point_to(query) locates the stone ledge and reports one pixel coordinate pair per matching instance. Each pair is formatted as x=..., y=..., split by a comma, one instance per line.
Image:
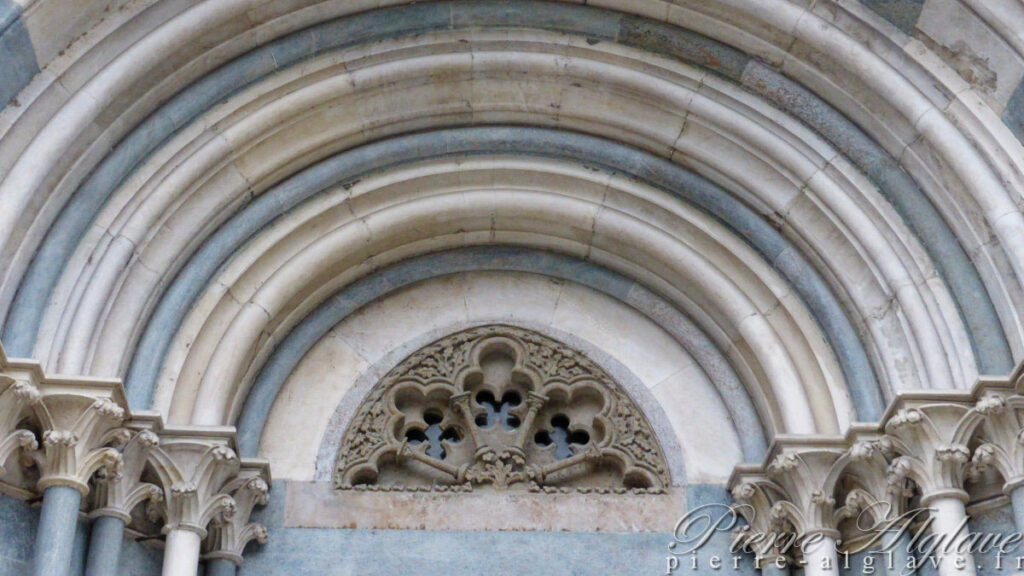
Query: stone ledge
x=320, y=505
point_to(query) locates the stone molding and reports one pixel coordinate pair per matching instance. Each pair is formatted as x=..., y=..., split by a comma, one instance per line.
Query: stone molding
x=194, y=469
x=80, y=433
x=117, y=492
x=318, y=505
x=76, y=426
x=229, y=533
x=928, y=445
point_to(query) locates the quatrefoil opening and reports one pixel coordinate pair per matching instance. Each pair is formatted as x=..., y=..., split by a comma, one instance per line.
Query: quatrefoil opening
x=503, y=408
x=561, y=438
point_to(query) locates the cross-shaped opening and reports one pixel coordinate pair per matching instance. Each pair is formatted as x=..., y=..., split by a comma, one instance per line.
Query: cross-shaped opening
x=498, y=410
x=563, y=438
x=433, y=435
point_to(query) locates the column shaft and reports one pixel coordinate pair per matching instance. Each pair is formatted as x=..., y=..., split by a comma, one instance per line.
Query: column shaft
x=105, y=546
x=55, y=538
x=949, y=516
x=220, y=567
x=821, y=558
x=771, y=569
x=1017, y=504
x=181, y=555
x=81, y=548
x=897, y=547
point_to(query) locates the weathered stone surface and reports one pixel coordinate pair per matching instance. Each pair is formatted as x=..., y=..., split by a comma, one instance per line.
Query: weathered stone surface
x=760, y=218
x=319, y=505
x=500, y=407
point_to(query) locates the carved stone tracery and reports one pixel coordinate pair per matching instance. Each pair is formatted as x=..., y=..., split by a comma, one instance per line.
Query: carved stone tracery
x=504, y=408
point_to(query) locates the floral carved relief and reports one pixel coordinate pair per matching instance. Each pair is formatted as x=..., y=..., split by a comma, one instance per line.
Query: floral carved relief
x=500, y=407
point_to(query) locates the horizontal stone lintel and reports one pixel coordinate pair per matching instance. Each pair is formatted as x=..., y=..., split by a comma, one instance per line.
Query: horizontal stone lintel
x=320, y=505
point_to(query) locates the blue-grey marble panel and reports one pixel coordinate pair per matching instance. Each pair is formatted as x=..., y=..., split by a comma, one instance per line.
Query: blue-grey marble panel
x=17, y=56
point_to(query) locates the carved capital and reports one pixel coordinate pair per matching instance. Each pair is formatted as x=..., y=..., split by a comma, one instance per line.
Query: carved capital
x=18, y=440
x=990, y=405
x=26, y=392
x=784, y=463
x=759, y=501
x=930, y=438
x=1002, y=447
x=906, y=418
x=856, y=502
x=17, y=399
x=898, y=472
x=745, y=492
x=230, y=533
x=194, y=472
x=863, y=451
x=799, y=486
x=953, y=454
x=117, y=492
x=80, y=436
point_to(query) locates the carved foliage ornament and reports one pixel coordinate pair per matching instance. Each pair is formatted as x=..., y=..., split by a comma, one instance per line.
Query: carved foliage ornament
x=499, y=407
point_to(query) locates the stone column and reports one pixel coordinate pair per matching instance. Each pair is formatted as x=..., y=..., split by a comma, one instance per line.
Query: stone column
x=105, y=546
x=83, y=533
x=1016, y=493
x=950, y=516
x=91, y=459
x=898, y=544
x=820, y=558
x=55, y=538
x=80, y=425
x=181, y=554
x=220, y=567
x=795, y=494
x=197, y=470
x=1001, y=448
x=114, y=497
x=229, y=534
x=770, y=568
x=928, y=437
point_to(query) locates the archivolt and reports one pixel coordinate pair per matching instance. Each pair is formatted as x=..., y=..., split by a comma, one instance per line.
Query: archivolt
x=873, y=267
x=350, y=231
x=752, y=429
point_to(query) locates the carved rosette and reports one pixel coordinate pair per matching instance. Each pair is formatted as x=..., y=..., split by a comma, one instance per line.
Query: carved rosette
x=501, y=407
